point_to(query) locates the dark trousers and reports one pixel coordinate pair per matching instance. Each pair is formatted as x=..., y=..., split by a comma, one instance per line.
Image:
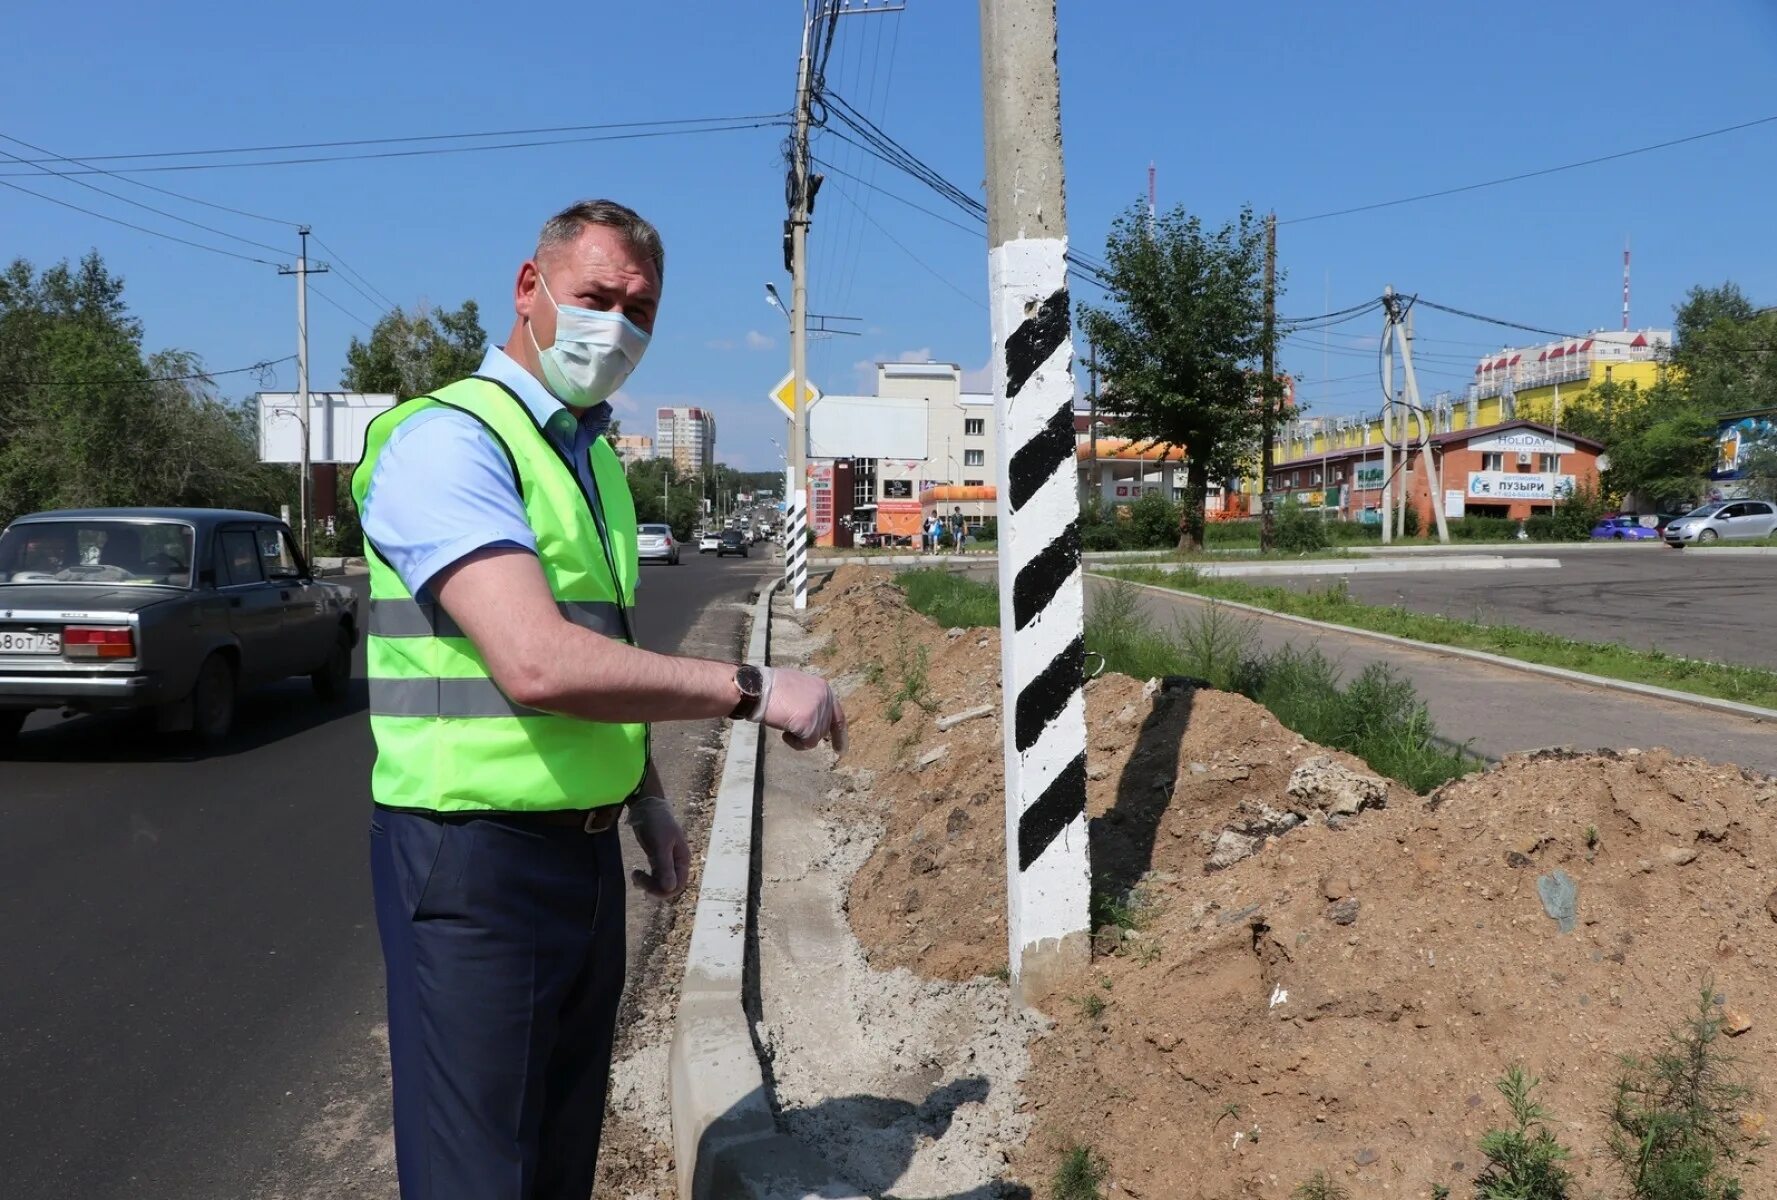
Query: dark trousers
x=503, y=942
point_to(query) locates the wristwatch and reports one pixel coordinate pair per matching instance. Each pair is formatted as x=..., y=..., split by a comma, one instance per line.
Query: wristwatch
x=750, y=681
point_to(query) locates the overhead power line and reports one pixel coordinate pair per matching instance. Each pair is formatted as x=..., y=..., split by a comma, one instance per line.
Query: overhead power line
x=724, y=127
x=159, y=212
x=1457, y=312
x=1571, y=166
x=138, y=228
x=325, y=298
x=239, y=212
x=922, y=263
x=265, y=365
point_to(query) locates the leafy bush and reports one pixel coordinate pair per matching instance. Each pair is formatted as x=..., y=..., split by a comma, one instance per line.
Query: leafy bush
x=1523, y=1160
x=1100, y=536
x=1483, y=529
x=1300, y=531
x=1153, y=523
x=988, y=530
x=1411, y=524
x=1674, y=1117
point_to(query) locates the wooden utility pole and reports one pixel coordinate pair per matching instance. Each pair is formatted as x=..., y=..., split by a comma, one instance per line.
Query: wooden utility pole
x=1267, y=522
x=1042, y=600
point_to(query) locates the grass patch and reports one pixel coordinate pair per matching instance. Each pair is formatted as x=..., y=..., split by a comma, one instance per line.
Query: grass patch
x=1377, y=716
x=1333, y=604
x=949, y=599
x=1320, y=1186
x=1079, y=1176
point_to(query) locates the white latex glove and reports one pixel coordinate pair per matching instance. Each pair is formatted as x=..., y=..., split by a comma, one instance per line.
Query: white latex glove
x=669, y=855
x=803, y=706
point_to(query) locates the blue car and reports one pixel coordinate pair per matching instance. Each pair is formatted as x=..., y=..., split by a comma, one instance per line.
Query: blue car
x=1624, y=529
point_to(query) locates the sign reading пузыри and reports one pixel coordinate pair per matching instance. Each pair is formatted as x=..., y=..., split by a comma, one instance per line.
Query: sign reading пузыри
x=1517, y=485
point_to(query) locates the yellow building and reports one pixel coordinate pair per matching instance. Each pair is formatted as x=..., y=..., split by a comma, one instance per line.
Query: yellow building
x=1522, y=383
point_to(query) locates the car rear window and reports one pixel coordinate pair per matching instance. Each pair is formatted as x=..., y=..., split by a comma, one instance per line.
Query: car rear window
x=96, y=551
x=655, y=530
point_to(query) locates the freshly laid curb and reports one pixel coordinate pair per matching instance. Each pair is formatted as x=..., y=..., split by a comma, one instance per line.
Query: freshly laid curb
x=725, y=1133
x=1362, y=566
x=966, y=559
x=1713, y=703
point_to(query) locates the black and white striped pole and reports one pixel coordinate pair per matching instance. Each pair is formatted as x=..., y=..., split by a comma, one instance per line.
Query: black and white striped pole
x=1042, y=609
x=796, y=549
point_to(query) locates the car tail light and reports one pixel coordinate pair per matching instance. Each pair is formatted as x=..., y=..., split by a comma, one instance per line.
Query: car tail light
x=99, y=641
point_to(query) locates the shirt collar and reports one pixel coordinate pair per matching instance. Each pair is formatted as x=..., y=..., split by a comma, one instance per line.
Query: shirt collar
x=544, y=408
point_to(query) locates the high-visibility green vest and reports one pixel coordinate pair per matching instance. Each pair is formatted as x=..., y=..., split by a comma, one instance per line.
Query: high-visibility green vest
x=447, y=738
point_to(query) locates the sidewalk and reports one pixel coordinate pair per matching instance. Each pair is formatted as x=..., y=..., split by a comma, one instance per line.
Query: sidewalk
x=1501, y=711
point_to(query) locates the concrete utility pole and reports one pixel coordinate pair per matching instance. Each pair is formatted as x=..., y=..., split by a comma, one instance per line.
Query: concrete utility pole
x=1267, y=523
x=1433, y=480
x=1042, y=600
x=1388, y=415
x=302, y=272
x=796, y=548
x=1092, y=414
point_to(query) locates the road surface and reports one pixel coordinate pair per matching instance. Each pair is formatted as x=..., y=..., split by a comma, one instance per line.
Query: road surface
x=193, y=996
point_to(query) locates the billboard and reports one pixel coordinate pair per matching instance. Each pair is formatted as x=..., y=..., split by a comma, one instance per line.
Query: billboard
x=337, y=421
x=1737, y=437
x=1518, y=485
x=879, y=427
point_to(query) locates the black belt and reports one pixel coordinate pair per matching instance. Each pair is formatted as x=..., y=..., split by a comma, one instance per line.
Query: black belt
x=588, y=820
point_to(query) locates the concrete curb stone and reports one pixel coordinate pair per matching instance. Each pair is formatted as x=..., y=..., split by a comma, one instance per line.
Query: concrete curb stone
x=725, y=1133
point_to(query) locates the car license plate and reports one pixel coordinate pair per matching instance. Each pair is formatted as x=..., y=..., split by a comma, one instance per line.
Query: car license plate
x=29, y=641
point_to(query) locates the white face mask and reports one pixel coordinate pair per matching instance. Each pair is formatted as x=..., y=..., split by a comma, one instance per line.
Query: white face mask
x=593, y=354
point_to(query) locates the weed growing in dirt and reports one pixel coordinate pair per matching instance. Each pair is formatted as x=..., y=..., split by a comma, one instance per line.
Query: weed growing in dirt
x=1673, y=1128
x=1592, y=837
x=1523, y=1160
x=1003, y=973
x=1091, y=1006
x=913, y=687
x=1126, y=910
x=1320, y=1186
x=1079, y=1175
x=1439, y=1192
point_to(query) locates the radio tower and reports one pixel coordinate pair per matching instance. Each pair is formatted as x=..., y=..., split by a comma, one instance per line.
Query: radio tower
x=1151, y=209
x=1625, y=285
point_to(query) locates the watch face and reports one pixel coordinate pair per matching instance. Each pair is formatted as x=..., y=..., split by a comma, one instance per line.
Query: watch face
x=750, y=681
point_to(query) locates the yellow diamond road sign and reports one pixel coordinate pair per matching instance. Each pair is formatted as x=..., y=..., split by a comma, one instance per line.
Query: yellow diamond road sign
x=783, y=394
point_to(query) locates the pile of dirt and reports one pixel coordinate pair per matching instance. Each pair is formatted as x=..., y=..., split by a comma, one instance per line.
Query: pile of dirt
x=1169, y=776
x=1343, y=996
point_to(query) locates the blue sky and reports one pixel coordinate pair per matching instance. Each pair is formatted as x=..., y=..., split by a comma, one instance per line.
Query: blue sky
x=1298, y=107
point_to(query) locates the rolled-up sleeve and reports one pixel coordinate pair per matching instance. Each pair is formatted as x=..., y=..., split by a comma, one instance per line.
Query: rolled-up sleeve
x=441, y=490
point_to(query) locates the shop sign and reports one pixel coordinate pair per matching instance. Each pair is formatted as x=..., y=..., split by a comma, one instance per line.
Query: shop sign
x=1520, y=441
x=1518, y=485
x=1369, y=477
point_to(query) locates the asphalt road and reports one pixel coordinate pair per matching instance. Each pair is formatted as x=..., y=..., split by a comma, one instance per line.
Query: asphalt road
x=192, y=1003
x=1696, y=603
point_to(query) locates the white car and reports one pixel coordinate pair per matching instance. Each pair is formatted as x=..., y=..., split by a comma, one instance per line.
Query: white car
x=1729, y=519
x=708, y=540
x=655, y=543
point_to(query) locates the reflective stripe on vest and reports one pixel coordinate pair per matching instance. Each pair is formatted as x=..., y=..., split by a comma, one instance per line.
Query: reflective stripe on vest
x=444, y=698
x=420, y=618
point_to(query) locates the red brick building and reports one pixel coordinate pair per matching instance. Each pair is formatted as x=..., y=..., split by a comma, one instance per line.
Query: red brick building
x=1512, y=469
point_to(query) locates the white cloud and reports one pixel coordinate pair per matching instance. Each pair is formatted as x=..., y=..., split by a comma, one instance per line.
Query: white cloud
x=758, y=341
x=978, y=379
x=715, y=344
x=921, y=355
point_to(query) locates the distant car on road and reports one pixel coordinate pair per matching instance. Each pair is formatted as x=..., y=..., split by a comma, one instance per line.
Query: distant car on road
x=655, y=543
x=1728, y=519
x=708, y=540
x=1624, y=529
x=734, y=542
x=172, y=610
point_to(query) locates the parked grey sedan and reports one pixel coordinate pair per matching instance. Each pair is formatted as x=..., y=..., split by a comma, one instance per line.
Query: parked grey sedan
x=1728, y=519
x=171, y=610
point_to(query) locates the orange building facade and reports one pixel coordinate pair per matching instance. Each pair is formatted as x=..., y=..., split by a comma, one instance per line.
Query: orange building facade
x=1513, y=469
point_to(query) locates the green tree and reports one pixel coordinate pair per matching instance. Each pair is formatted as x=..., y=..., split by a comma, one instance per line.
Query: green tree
x=1180, y=341
x=88, y=418
x=410, y=354
x=677, y=501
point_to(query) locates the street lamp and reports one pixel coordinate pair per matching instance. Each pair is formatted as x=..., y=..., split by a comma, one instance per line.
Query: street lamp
x=776, y=301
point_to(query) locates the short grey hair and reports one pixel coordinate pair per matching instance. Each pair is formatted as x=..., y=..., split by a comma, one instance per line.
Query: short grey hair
x=566, y=226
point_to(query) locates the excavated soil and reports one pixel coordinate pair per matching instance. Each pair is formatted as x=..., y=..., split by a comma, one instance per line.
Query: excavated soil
x=1343, y=997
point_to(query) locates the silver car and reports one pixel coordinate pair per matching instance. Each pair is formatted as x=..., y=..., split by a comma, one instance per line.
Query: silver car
x=655, y=543
x=1741, y=519
x=173, y=611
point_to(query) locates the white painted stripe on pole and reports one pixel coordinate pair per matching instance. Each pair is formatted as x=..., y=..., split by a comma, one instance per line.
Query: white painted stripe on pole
x=1041, y=597
x=799, y=580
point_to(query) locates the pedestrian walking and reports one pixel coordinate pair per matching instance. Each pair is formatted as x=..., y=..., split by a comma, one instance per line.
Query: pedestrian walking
x=511, y=708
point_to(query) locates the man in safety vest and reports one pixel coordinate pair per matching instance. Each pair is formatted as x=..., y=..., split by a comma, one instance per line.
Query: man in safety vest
x=510, y=706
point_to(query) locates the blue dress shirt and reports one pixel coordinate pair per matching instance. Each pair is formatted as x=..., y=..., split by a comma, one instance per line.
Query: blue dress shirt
x=443, y=489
